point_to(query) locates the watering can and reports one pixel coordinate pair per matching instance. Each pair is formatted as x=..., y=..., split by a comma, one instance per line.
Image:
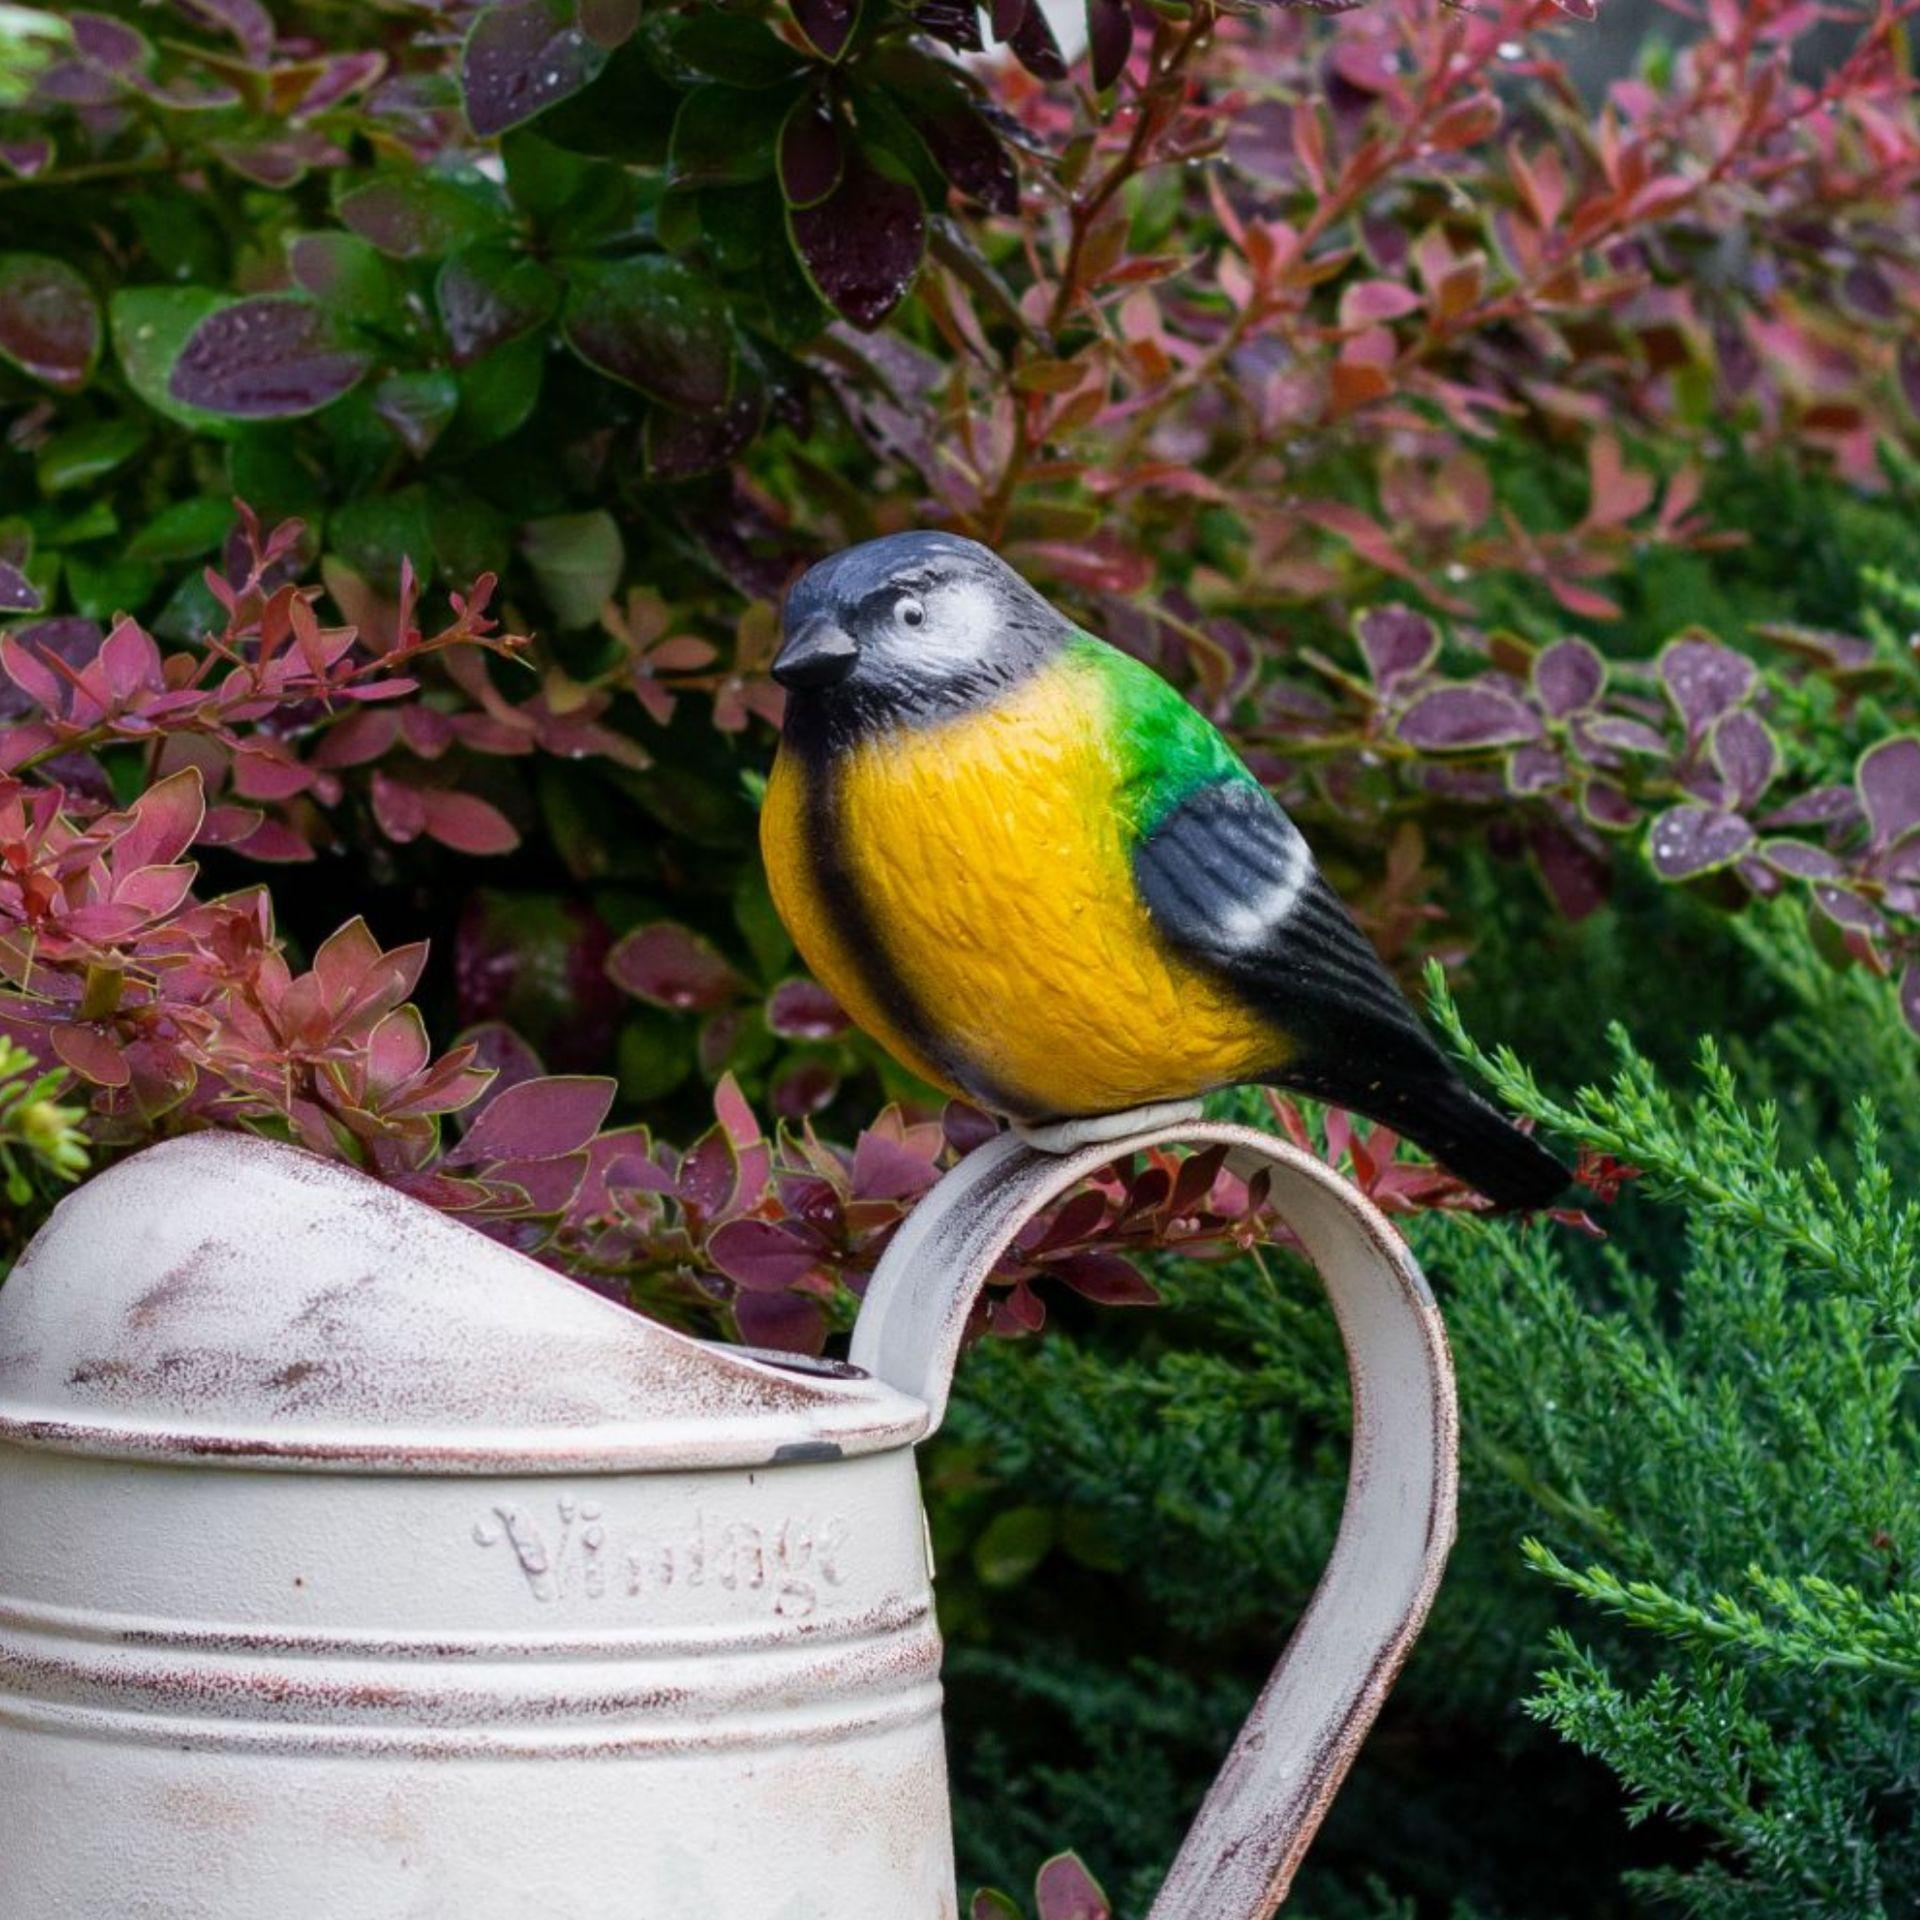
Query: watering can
x=356, y=1567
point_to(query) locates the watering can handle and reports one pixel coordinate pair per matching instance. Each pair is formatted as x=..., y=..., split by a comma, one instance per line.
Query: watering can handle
x=1395, y=1530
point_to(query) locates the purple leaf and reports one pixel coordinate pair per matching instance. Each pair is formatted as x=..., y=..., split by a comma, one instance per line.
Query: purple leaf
x=1608, y=806
x=710, y=1173
x=49, y=320
x=1847, y=909
x=1106, y=1278
x=680, y=445
x=800, y=1010
x=1818, y=807
x=109, y=44
x=1577, y=876
x=18, y=594
x=654, y=324
x=1744, y=752
x=1463, y=718
x=1889, y=781
x=964, y=145
x=522, y=57
x=672, y=966
x=828, y=24
x=487, y=297
x=505, y=1053
x=1803, y=862
x=1704, y=680
x=781, y=1322
x=267, y=358
x=957, y=22
x=26, y=155
x=761, y=1256
x=862, y=245
x=539, y=1120
x=813, y=151
x=885, y=1169
x=1535, y=769
x=1688, y=841
x=1569, y=677
x=1109, y=40
x=250, y=24
x=803, y=1089
x=1616, y=730
x=1395, y=642
x=1035, y=47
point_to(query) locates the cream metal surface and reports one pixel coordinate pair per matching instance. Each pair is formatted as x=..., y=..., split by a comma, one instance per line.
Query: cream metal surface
x=354, y=1567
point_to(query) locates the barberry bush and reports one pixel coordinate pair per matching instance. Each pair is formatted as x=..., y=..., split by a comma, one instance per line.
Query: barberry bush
x=413, y=414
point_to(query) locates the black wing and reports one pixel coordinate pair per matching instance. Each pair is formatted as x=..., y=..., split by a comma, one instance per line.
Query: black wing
x=1229, y=882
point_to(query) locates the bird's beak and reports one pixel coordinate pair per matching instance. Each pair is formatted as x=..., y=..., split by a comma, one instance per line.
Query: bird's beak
x=820, y=652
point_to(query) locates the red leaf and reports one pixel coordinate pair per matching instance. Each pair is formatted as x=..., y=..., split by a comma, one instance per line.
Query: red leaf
x=466, y=823
x=1067, y=1891
x=539, y=1119
x=885, y=1169
x=782, y=1322
x=1105, y=1277
x=672, y=966
x=93, y=1052
x=800, y=1010
x=760, y=1255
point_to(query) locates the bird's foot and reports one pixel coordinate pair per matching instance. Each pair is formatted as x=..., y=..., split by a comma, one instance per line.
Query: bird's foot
x=1096, y=1129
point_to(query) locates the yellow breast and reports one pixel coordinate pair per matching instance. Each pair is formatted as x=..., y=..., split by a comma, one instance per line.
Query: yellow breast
x=990, y=856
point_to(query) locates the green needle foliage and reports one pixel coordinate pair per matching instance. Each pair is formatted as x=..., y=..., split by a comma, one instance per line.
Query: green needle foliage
x=1691, y=1509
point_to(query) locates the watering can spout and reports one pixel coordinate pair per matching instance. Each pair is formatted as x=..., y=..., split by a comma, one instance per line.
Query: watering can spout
x=1395, y=1531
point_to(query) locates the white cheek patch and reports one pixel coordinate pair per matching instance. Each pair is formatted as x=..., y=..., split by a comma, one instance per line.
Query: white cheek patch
x=1251, y=923
x=963, y=622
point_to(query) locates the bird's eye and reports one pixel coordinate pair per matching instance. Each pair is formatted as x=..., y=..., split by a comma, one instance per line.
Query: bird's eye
x=912, y=613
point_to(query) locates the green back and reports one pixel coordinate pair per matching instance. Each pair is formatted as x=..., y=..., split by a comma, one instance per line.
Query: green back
x=1165, y=747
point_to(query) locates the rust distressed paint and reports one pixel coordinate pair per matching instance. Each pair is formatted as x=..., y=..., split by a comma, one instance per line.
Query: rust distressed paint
x=353, y=1564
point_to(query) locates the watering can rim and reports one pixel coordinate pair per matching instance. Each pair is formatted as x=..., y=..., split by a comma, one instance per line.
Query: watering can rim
x=229, y=1301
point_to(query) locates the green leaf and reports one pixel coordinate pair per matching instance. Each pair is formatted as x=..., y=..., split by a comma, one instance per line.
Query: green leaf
x=729, y=47
x=1014, y=1543
x=184, y=531
x=653, y=324
x=101, y=588
x=759, y=921
x=82, y=455
x=728, y=135
x=497, y=393
x=372, y=534
x=576, y=201
x=149, y=326
x=414, y=216
x=417, y=407
x=655, y=1054
x=347, y=276
x=577, y=559
x=470, y=536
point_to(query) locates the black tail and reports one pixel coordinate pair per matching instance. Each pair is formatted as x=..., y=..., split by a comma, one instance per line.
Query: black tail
x=1435, y=1109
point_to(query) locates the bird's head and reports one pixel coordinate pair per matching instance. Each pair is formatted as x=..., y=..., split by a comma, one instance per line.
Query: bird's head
x=913, y=622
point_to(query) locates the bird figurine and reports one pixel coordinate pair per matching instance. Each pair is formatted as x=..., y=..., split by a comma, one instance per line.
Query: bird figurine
x=1044, y=882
